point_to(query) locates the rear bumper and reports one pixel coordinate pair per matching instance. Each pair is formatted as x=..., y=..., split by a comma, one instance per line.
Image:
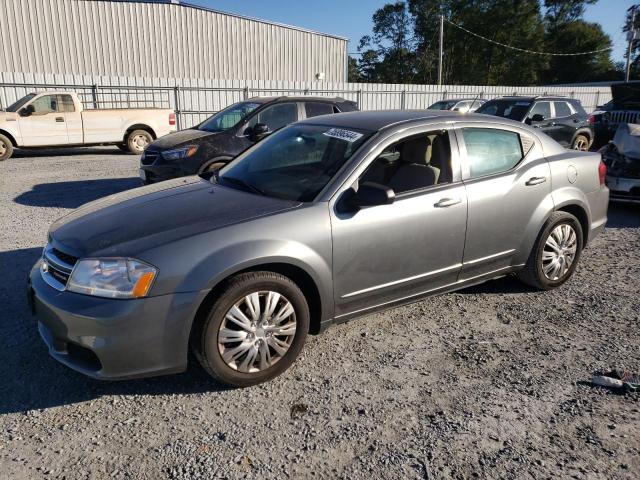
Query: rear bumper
x=114, y=339
x=625, y=190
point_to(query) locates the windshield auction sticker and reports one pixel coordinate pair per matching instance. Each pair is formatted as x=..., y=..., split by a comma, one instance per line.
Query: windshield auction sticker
x=346, y=135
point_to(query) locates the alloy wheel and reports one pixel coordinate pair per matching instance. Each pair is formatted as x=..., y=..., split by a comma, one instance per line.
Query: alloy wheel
x=559, y=252
x=581, y=145
x=257, y=331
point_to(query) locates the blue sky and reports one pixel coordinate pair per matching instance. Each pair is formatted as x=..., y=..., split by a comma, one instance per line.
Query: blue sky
x=352, y=18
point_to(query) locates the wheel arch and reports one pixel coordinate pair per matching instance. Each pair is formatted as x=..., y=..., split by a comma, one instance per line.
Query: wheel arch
x=297, y=274
x=225, y=158
x=583, y=131
x=580, y=212
x=10, y=137
x=138, y=126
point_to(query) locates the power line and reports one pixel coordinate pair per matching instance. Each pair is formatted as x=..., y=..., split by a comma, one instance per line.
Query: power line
x=524, y=50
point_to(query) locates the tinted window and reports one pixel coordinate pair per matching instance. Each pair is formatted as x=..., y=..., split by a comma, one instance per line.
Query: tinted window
x=513, y=109
x=45, y=104
x=295, y=163
x=276, y=116
x=562, y=109
x=541, y=108
x=229, y=117
x=490, y=150
x=442, y=105
x=65, y=103
x=314, y=109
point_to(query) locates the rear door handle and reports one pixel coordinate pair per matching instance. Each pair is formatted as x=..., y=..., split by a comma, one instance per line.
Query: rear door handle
x=59, y=119
x=447, y=202
x=535, y=181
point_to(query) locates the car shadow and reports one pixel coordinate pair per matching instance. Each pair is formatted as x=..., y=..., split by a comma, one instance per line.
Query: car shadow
x=75, y=193
x=621, y=215
x=505, y=285
x=32, y=380
x=66, y=152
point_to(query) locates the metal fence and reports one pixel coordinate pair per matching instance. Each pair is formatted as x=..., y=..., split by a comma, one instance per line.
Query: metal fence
x=194, y=103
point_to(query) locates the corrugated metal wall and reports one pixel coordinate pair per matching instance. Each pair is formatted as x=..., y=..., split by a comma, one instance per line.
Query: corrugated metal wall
x=140, y=39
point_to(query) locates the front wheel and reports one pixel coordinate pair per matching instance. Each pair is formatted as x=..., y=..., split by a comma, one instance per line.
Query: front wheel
x=581, y=142
x=556, y=253
x=6, y=148
x=254, y=331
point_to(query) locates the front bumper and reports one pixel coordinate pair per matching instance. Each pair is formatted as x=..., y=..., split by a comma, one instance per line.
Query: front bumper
x=625, y=190
x=114, y=339
x=157, y=169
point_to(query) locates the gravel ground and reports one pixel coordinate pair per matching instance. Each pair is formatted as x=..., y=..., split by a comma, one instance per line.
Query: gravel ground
x=487, y=382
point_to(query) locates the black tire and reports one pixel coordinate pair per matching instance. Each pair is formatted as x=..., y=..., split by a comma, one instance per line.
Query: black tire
x=214, y=165
x=204, y=338
x=137, y=141
x=581, y=143
x=6, y=148
x=533, y=274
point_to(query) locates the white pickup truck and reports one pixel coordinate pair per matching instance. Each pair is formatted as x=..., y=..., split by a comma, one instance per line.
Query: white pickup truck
x=58, y=119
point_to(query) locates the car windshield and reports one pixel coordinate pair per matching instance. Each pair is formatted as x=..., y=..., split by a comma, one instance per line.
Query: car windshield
x=442, y=105
x=294, y=163
x=513, y=109
x=14, y=107
x=229, y=117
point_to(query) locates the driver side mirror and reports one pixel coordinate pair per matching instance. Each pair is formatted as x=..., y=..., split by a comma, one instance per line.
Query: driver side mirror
x=27, y=111
x=535, y=118
x=369, y=194
x=257, y=132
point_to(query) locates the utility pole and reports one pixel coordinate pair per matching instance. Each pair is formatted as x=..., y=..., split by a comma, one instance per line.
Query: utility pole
x=441, y=49
x=631, y=36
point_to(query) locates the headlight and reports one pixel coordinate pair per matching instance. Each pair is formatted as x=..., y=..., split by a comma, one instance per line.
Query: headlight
x=178, y=153
x=112, y=278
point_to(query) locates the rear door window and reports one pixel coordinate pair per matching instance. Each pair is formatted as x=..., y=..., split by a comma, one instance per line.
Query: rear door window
x=491, y=150
x=315, y=109
x=65, y=103
x=562, y=109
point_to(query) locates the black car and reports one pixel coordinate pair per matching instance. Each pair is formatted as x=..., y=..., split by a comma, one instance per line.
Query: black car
x=216, y=141
x=563, y=119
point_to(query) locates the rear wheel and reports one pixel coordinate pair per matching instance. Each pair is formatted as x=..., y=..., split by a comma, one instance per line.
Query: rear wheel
x=6, y=148
x=556, y=253
x=138, y=140
x=254, y=331
x=581, y=142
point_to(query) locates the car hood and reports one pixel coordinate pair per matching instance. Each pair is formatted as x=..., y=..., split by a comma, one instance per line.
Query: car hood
x=178, y=138
x=136, y=220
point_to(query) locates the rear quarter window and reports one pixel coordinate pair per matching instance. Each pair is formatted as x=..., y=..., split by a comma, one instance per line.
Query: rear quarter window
x=315, y=109
x=491, y=150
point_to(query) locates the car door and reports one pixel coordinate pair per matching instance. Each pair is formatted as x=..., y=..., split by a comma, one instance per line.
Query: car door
x=548, y=123
x=566, y=122
x=45, y=125
x=274, y=116
x=72, y=117
x=508, y=187
x=400, y=251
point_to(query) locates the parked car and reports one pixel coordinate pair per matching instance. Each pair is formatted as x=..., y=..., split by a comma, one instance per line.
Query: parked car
x=624, y=107
x=216, y=141
x=563, y=119
x=464, y=105
x=327, y=219
x=58, y=119
x=622, y=158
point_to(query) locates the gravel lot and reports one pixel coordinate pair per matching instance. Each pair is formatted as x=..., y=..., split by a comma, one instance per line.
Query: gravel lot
x=487, y=382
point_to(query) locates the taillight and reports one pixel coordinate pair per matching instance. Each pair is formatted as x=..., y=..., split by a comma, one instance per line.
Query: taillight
x=591, y=119
x=602, y=172
x=172, y=119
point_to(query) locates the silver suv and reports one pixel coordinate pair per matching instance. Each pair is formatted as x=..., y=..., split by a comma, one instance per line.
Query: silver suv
x=327, y=219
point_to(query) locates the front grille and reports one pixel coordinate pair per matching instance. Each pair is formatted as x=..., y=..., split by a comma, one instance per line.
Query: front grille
x=57, y=267
x=149, y=157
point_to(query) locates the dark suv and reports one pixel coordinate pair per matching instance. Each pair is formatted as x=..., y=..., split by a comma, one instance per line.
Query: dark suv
x=563, y=119
x=220, y=138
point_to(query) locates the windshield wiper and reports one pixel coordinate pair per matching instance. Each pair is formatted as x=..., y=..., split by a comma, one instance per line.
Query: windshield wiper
x=242, y=183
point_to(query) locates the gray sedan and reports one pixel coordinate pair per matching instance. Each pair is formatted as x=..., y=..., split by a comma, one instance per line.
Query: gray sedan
x=324, y=220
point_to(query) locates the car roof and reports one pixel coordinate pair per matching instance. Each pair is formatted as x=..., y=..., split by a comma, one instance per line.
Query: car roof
x=532, y=98
x=461, y=99
x=374, y=120
x=304, y=98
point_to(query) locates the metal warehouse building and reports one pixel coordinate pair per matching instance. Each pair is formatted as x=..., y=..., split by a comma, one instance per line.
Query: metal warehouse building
x=160, y=39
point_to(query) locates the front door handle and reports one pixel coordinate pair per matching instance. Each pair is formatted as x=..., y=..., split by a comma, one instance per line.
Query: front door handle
x=447, y=202
x=535, y=181
x=59, y=119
